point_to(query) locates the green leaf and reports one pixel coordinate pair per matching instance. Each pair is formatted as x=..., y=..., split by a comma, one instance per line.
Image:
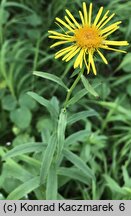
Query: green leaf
x=73, y=173
x=33, y=34
x=23, y=149
x=126, y=63
x=77, y=136
x=51, y=187
x=126, y=177
x=128, y=88
x=2, y=196
x=103, y=90
x=47, y=158
x=121, y=80
x=31, y=161
x=21, y=117
x=22, y=138
x=79, y=163
x=39, y=99
x=24, y=189
x=112, y=184
x=117, y=108
x=61, y=131
x=9, y=102
x=77, y=97
x=5, y=15
x=81, y=116
x=15, y=171
x=55, y=103
x=88, y=87
x=50, y=77
x=27, y=101
x=34, y=20
x=45, y=103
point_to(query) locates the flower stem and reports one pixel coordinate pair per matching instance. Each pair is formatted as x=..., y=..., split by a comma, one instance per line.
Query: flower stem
x=72, y=87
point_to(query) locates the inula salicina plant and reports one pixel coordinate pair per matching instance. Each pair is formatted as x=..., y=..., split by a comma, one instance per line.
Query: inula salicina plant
x=75, y=150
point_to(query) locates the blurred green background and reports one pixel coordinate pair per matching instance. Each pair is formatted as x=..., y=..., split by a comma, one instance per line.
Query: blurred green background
x=98, y=129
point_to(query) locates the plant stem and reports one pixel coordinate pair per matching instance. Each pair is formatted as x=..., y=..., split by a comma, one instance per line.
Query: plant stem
x=36, y=55
x=72, y=87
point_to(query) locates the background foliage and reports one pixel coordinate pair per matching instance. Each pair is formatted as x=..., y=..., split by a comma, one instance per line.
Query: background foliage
x=47, y=153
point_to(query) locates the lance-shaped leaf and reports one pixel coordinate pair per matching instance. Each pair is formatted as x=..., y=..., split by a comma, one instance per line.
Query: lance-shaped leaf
x=50, y=77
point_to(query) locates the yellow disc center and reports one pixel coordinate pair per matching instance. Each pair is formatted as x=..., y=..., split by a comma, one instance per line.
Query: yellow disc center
x=88, y=37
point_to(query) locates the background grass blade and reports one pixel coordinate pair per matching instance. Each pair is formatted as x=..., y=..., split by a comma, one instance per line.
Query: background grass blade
x=18, y=5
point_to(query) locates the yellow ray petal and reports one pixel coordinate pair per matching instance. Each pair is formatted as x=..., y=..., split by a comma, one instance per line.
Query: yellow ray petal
x=82, y=18
x=109, y=48
x=102, y=20
x=110, y=17
x=79, y=59
x=69, y=55
x=64, y=24
x=69, y=22
x=92, y=64
x=98, y=16
x=58, y=43
x=73, y=54
x=86, y=62
x=90, y=14
x=63, y=51
x=59, y=37
x=113, y=26
x=72, y=17
x=102, y=56
x=110, y=32
x=59, y=34
x=85, y=13
x=89, y=61
x=81, y=63
x=116, y=43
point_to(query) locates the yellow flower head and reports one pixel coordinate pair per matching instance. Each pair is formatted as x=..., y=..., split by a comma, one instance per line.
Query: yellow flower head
x=84, y=39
